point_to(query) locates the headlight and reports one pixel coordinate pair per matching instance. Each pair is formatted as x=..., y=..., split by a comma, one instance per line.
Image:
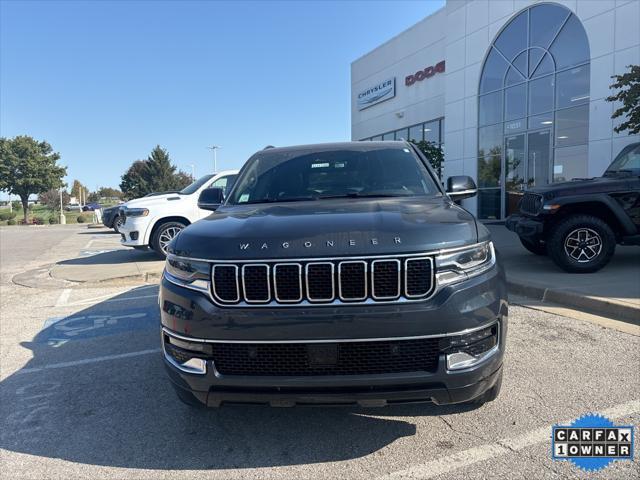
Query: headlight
x=188, y=273
x=465, y=263
x=136, y=212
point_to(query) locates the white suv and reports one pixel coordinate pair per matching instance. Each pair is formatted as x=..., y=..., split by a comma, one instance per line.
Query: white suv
x=154, y=221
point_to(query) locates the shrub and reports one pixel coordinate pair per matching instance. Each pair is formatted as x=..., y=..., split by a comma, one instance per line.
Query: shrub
x=80, y=219
x=53, y=220
x=11, y=221
x=38, y=221
x=8, y=215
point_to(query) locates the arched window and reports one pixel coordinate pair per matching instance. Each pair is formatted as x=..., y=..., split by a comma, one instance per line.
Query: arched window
x=533, y=107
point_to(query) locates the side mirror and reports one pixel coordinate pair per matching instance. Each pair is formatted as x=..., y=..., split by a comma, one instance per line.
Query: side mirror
x=211, y=198
x=461, y=186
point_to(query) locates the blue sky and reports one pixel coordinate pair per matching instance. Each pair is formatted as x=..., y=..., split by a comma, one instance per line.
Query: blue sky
x=104, y=82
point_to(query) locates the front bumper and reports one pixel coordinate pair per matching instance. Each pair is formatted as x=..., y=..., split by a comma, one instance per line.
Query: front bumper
x=471, y=305
x=134, y=231
x=525, y=227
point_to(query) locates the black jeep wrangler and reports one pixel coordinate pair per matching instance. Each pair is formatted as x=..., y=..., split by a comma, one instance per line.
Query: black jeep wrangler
x=579, y=223
x=335, y=274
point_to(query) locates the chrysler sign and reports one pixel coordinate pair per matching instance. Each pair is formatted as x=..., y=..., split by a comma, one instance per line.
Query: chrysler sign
x=425, y=73
x=376, y=94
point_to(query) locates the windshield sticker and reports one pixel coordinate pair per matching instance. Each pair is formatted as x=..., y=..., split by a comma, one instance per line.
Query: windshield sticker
x=319, y=165
x=244, y=198
x=339, y=165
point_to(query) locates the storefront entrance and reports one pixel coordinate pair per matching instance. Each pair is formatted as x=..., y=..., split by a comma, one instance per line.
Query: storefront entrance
x=527, y=164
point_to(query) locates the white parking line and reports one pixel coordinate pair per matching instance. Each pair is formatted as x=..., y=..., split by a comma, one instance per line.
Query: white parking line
x=63, y=298
x=86, y=361
x=488, y=451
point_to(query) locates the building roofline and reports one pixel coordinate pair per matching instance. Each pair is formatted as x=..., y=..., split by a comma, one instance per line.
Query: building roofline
x=397, y=35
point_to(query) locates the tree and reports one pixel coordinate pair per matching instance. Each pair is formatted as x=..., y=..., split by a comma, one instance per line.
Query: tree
x=51, y=198
x=80, y=191
x=161, y=175
x=28, y=167
x=155, y=174
x=108, y=192
x=183, y=179
x=628, y=86
x=434, y=154
x=134, y=182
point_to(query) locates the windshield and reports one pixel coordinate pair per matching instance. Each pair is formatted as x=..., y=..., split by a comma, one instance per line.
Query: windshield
x=627, y=161
x=299, y=175
x=195, y=185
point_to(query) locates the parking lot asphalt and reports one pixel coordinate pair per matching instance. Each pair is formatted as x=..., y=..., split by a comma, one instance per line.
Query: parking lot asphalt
x=83, y=394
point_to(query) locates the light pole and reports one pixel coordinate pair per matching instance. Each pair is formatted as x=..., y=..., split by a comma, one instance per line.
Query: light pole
x=215, y=157
x=62, y=219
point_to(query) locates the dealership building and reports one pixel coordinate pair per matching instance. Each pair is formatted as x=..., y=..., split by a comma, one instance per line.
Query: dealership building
x=514, y=91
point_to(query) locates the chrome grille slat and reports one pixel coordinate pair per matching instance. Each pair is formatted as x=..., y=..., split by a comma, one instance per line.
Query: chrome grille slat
x=255, y=283
x=290, y=285
x=349, y=288
x=335, y=281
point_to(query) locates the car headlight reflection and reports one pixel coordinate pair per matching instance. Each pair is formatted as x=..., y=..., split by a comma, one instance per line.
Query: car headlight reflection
x=465, y=263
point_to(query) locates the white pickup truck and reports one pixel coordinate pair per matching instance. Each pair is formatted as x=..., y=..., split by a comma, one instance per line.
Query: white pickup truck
x=154, y=221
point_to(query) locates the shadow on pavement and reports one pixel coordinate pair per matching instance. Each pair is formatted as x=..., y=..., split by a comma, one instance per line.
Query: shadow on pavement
x=100, y=232
x=112, y=257
x=122, y=411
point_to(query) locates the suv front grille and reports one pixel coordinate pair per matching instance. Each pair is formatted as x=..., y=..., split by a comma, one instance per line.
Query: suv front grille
x=531, y=203
x=323, y=281
x=346, y=358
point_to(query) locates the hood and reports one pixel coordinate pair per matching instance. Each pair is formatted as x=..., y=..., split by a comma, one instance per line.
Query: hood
x=582, y=186
x=149, y=202
x=338, y=227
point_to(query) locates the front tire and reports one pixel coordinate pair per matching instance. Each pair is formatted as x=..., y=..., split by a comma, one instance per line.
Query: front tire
x=117, y=223
x=163, y=236
x=535, y=246
x=581, y=244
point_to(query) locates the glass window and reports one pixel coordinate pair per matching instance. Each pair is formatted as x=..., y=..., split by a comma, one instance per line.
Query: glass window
x=415, y=133
x=489, y=204
x=570, y=163
x=515, y=126
x=402, y=134
x=513, y=39
x=572, y=126
x=515, y=102
x=311, y=174
x=544, y=120
x=188, y=190
x=491, y=108
x=388, y=136
x=545, y=22
x=490, y=140
x=495, y=68
x=378, y=137
x=628, y=160
x=570, y=46
x=489, y=171
x=573, y=87
x=432, y=132
x=513, y=77
x=541, y=95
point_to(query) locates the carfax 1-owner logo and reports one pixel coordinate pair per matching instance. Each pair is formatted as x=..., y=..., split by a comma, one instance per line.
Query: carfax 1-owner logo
x=592, y=442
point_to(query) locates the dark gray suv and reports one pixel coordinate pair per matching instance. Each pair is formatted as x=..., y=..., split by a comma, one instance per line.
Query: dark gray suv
x=335, y=274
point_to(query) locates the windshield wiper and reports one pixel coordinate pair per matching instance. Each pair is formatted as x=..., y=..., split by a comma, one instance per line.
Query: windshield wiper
x=610, y=173
x=364, y=195
x=276, y=200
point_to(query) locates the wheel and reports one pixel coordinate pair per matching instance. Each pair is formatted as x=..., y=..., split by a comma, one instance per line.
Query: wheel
x=117, y=223
x=536, y=247
x=490, y=395
x=163, y=236
x=581, y=244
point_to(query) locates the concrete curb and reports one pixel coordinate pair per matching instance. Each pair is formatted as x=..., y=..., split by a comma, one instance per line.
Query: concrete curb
x=616, y=310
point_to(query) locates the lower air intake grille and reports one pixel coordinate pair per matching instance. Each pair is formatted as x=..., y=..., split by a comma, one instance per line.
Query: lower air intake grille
x=348, y=358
